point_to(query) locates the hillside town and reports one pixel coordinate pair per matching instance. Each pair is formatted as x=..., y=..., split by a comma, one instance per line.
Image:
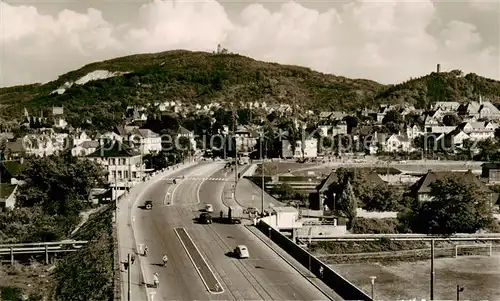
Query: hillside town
x=461, y=131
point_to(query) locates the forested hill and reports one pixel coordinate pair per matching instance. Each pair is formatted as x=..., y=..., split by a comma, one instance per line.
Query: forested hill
x=200, y=77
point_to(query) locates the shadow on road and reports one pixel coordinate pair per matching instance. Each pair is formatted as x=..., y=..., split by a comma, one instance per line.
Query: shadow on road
x=231, y=254
x=157, y=264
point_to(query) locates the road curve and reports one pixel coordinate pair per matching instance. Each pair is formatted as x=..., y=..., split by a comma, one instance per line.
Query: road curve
x=155, y=228
x=267, y=276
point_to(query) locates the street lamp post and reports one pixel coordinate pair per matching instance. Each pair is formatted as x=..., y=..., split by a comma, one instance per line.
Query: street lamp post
x=373, y=286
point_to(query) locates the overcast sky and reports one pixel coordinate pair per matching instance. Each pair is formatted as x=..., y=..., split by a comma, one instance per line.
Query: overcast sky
x=386, y=41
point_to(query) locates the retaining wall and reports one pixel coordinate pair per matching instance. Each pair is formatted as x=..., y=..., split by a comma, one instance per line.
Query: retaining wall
x=335, y=281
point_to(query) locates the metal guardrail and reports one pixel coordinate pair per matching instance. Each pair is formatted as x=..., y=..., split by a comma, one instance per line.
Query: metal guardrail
x=40, y=248
x=401, y=237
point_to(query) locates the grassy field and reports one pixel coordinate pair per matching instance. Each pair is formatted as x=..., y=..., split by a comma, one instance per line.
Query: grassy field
x=480, y=275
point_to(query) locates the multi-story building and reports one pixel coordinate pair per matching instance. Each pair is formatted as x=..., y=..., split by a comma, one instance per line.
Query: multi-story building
x=308, y=150
x=123, y=164
x=145, y=141
x=478, y=130
x=245, y=139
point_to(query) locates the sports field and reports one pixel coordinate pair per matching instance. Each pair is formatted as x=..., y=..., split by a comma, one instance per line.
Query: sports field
x=479, y=275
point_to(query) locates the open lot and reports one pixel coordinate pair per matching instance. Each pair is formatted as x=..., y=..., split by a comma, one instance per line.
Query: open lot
x=480, y=275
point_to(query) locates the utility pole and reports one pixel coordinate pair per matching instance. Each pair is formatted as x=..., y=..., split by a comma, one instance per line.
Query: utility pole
x=1, y=160
x=235, y=151
x=129, y=289
x=262, y=173
x=432, y=269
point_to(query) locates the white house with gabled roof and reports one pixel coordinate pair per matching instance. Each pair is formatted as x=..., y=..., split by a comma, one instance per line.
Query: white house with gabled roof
x=144, y=141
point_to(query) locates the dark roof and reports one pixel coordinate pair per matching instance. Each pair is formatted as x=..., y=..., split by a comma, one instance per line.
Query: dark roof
x=145, y=133
x=89, y=144
x=423, y=185
x=11, y=168
x=323, y=186
x=370, y=175
x=120, y=130
x=112, y=149
x=491, y=165
x=16, y=146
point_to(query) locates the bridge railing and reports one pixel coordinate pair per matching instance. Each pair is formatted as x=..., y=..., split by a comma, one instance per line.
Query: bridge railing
x=343, y=287
x=40, y=248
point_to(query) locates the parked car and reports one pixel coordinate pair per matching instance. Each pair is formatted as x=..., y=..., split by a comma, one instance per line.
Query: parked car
x=148, y=205
x=241, y=251
x=205, y=218
x=209, y=208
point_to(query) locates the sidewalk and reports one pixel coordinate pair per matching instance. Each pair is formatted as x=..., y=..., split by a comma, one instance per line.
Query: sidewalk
x=295, y=264
x=126, y=235
x=250, y=195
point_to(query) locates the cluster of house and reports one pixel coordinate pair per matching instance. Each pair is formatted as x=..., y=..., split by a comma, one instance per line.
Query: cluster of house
x=120, y=151
x=479, y=122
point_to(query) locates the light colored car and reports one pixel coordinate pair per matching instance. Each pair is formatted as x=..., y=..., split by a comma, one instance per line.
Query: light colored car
x=209, y=208
x=241, y=251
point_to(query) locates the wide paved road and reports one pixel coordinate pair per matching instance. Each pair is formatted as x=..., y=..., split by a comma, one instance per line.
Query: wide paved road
x=170, y=229
x=265, y=276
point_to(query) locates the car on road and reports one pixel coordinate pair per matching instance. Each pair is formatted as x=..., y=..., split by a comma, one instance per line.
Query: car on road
x=252, y=210
x=209, y=208
x=241, y=251
x=205, y=218
x=148, y=205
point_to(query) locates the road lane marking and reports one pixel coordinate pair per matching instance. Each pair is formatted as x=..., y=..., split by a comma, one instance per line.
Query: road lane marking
x=206, y=274
x=170, y=195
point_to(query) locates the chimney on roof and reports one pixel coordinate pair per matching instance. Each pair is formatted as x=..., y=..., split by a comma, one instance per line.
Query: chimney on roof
x=438, y=68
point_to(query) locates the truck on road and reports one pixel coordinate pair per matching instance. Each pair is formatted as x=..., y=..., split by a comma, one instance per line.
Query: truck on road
x=234, y=215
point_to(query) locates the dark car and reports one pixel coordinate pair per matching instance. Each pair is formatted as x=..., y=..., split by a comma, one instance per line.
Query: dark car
x=148, y=205
x=205, y=218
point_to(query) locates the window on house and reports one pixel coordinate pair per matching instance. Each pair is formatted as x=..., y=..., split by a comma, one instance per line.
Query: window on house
x=124, y=161
x=126, y=174
x=114, y=174
x=113, y=161
x=120, y=174
x=134, y=174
